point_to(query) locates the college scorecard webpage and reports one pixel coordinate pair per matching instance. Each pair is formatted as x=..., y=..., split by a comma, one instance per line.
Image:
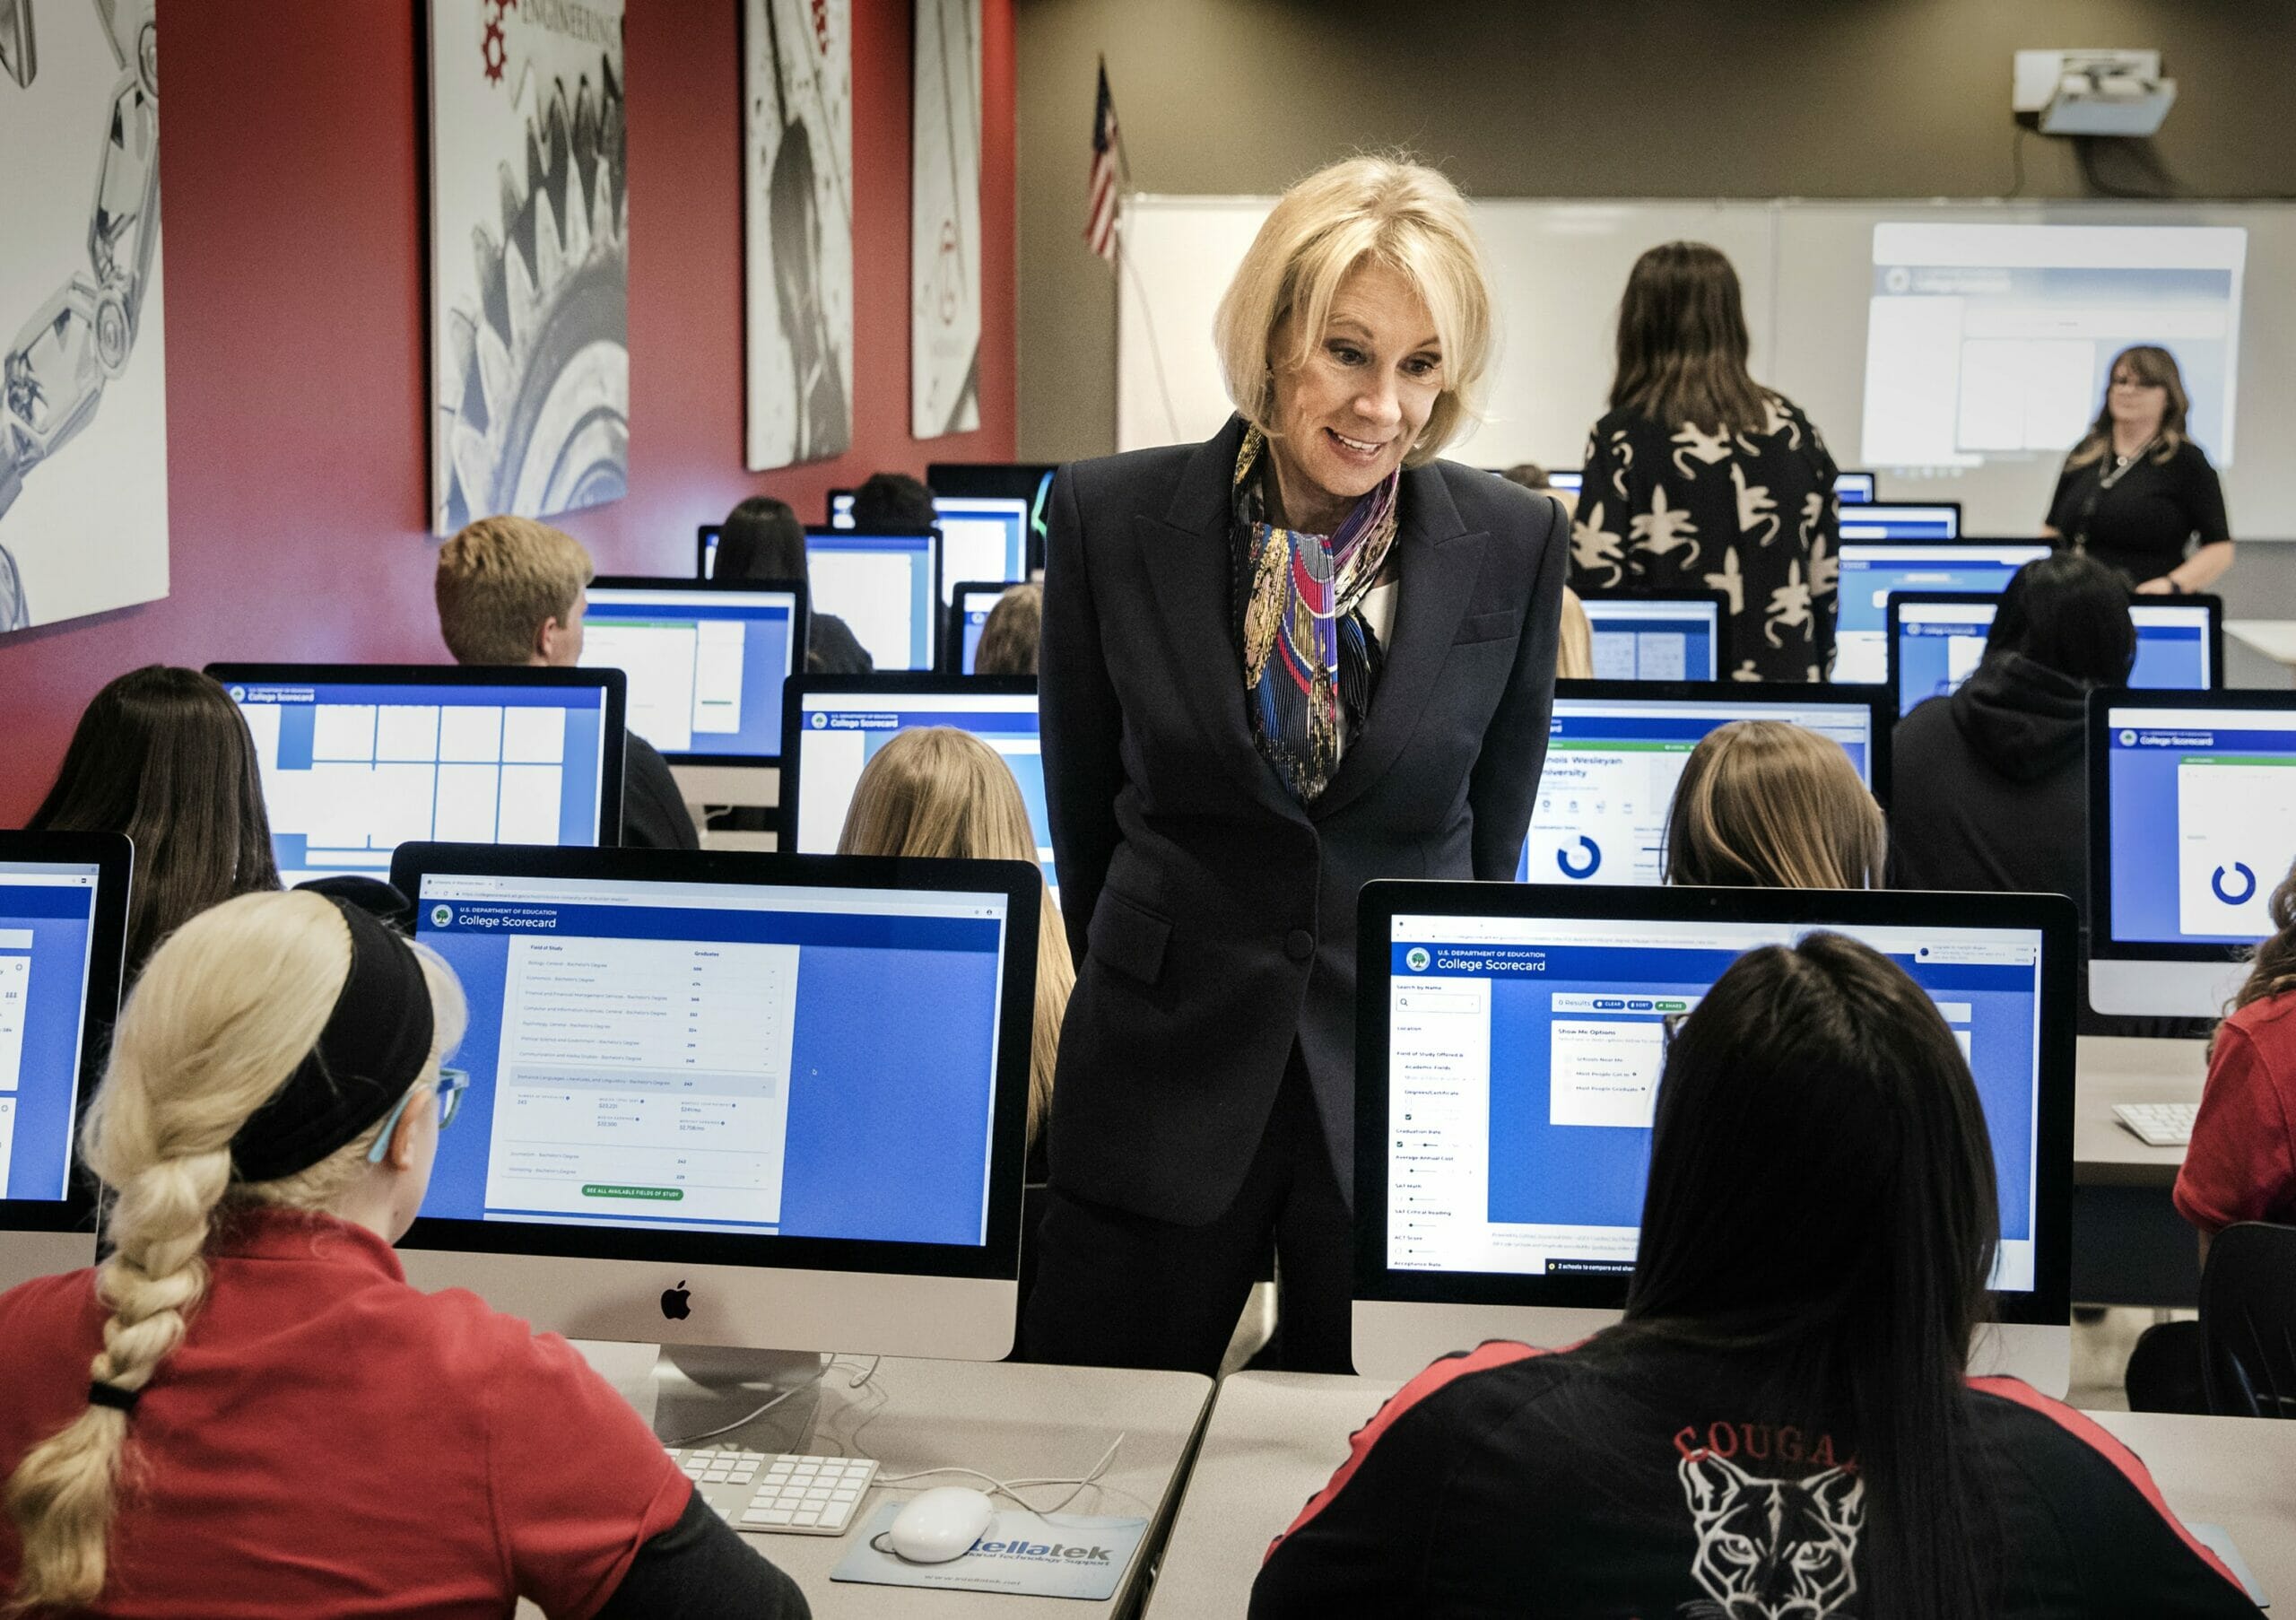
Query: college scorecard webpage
x=721, y=1057
x=2202, y=821
x=47, y=934
x=1524, y=1057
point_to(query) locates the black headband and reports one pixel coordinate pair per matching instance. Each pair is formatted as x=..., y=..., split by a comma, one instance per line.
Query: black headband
x=376, y=1044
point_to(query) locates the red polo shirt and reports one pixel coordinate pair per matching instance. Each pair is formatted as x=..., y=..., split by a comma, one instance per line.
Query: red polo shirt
x=2241, y=1163
x=328, y=1441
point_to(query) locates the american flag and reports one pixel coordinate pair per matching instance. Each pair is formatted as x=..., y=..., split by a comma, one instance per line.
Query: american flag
x=1107, y=155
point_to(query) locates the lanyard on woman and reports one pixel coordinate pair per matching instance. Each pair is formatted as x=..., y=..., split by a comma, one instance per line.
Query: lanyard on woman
x=2105, y=480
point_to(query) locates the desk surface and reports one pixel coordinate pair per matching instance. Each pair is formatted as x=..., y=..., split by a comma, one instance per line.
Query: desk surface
x=2273, y=638
x=1276, y=1438
x=2115, y=1069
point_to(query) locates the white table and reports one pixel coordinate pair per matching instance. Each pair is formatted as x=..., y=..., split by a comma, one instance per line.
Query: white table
x=2274, y=639
x=1276, y=1438
x=2129, y=1245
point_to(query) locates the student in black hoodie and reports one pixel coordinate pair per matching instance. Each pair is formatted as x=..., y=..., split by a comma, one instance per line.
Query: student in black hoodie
x=1991, y=788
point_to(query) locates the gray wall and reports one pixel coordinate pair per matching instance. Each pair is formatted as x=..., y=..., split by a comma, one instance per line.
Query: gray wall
x=1599, y=98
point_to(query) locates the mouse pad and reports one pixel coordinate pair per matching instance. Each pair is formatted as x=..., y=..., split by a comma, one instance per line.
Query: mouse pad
x=1030, y=1555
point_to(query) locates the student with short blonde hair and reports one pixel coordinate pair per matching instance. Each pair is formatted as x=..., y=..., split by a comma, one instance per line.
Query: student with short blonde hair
x=1765, y=805
x=512, y=590
x=245, y=1405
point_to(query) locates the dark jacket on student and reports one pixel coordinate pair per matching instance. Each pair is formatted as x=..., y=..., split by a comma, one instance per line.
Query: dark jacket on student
x=654, y=815
x=1654, y=1481
x=1989, y=786
x=833, y=649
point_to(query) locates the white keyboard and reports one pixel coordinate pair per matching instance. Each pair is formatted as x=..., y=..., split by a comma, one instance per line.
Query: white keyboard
x=778, y=1494
x=2159, y=1124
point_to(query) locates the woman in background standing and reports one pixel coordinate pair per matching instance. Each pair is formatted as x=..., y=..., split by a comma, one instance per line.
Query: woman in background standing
x=2135, y=493
x=1699, y=478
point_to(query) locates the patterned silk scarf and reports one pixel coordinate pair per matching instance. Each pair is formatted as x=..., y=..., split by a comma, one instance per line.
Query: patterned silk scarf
x=1311, y=661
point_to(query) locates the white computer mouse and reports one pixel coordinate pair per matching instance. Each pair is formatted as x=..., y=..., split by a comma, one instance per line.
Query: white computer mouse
x=940, y=1524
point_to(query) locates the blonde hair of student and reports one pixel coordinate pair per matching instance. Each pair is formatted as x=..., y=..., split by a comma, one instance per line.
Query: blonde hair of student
x=1008, y=638
x=1404, y=215
x=1765, y=805
x=498, y=578
x=938, y=791
x=1574, y=647
x=226, y=1009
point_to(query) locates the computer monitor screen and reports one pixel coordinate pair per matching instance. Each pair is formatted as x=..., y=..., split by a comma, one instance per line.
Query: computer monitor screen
x=358, y=759
x=763, y=1064
x=1853, y=489
x=2192, y=800
x=1565, y=482
x=1615, y=749
x=972, y=604
x=982, y=537
x=1657, y=638
x=1028, y=482
x=1937, y=639
x=707, y=567
x=1870, y=570
x=704, y=663
x=1510, y=1049
x=63, y=928
x=837, y=723
x=840, y=509
x=1879, y=520
x=885, y=586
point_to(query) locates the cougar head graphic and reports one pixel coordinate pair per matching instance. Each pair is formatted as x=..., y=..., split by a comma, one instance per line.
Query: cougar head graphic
x=1772, y=1549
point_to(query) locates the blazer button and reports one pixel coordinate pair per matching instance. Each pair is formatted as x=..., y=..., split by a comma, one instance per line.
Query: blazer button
x=1299, y=945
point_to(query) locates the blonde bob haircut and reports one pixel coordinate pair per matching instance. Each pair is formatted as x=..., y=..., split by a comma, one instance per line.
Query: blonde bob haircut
x=225, y=1010
x=1403, y=216
x=1765, y=805
x=938, y=791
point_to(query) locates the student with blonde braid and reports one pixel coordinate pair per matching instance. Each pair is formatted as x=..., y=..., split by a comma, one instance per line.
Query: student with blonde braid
x=244, y=1407
x=1768, y=805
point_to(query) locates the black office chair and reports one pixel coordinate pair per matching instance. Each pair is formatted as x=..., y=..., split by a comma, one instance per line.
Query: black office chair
x=2248, y=1321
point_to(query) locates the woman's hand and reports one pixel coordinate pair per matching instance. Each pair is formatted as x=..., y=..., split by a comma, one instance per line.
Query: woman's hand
x=2157, y=588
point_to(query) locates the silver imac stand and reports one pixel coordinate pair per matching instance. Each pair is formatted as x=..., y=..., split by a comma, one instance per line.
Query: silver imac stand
x=698, y=1388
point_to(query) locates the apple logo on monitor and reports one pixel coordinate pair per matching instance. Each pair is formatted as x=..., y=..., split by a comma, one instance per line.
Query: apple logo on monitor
x=674, y=1302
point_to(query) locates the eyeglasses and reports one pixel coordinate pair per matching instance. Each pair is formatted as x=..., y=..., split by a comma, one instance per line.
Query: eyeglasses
x=451, y=1085
x=2136, y=382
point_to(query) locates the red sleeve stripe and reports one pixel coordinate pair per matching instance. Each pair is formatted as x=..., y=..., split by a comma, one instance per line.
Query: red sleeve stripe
x=1493, y=1352
x=2107, y=1445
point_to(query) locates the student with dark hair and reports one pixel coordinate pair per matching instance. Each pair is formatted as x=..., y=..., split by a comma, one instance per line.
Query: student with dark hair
x=761, y=539
x=1991, y=787
x=1784, y=1423
x=163, y=755
x=1700, y=477
x=1008, y=639
x=892, y=501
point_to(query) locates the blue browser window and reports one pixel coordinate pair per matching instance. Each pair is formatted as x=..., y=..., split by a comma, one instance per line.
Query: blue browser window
x=1654, y=641
x=1872, y=569
x=1611, y=769
x=883, y=586
x=843, y=732
x=2203, y=817
x=1941, y=643
x=1854, y=489
x=1889, y=520
x=721, y=1057
x=1526, y=1054
x=704, y=668
x=976, y=607
x=47, y=930
x=350, y=771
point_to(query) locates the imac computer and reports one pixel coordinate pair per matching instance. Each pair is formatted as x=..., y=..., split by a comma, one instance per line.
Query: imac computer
x=704, y=661
x=969, y=605
x=2192, y=825
x=1870, y=570
x=1509, y=1044
x=1656, y=635
x=763, y=1100
x=1890, y=521
x=886, y=588
x=1936, y=638
x=358, y=759
x=63, y=934
x=1030, y=483
x=838, y=723
x=982, y=537
x=1615, y=749
x=1854, y=489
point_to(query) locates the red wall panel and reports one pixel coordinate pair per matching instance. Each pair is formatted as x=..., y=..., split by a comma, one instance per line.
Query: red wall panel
x=291, y=148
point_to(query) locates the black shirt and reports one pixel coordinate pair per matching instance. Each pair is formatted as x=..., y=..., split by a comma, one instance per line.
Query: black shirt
x=2143, y=522
x=833, y=649
x=1643, y=1480
x=654, y=815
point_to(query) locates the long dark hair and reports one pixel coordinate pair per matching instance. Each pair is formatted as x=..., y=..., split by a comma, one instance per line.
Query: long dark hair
x=1821, y=1196
x=761, y=539
x=892, y=501
x=2070, y=613
x=163, y=755
x=2151, y=364
x=1683, y=344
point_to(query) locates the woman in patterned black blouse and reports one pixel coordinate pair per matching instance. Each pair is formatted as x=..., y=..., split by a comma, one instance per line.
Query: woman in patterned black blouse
x=1699, y=478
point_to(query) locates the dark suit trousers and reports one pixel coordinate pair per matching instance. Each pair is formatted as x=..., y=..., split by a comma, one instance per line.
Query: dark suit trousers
x=1116, y=1289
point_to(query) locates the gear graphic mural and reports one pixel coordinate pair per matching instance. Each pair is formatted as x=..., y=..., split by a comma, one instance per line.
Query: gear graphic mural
x=534, y=408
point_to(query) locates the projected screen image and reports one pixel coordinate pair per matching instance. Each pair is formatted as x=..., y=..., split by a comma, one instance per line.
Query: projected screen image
x=1994, y=341
x=1611, y=769
x=1524, y=1057
x=1941, y=643
x=883, y=586
x=48, y=920
x=1871, y=570
x=1654, y=640
x=351, y=771
x=704, y=668
x=2203, y=821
